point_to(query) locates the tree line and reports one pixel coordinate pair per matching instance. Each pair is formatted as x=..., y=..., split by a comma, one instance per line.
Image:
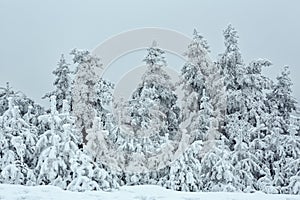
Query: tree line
x=241, y=128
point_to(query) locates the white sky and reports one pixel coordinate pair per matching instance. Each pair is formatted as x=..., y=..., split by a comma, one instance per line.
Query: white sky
x=33, y=33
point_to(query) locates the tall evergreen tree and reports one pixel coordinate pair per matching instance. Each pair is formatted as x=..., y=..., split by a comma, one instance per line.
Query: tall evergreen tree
x=62, y=83
x=200, y=73
x=155, y=98
x=192, y=79
x=281, y=97
x=253, y=88
x=84, y=92
x=282, y=152
x=231, y=63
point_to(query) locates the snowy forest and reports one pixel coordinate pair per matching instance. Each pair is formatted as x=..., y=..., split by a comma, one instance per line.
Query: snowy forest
x=234, y=130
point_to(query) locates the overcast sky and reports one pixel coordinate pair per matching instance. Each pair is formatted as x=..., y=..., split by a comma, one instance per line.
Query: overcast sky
x=33, y=33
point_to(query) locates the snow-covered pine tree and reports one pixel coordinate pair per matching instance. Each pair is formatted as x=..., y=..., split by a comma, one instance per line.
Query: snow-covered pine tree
x=56, y=147
x=232, y=69
x=254, y=111
x=184, y=172
x=202, y=102
x=281, y=98
x=192, y=81
x=283, y=150
x=244, y=117
x=280, y=153
x=247, y=166
x=88, y=167
x=62, y=83
x=84, y=90
x=61, y=162
x=200, y=73
x=89, y=175
x=192, y=78
x=273, y=152
x=230, y=62
x=217, y=171
x=155, y=98
x=253, y=98
x=17, y=147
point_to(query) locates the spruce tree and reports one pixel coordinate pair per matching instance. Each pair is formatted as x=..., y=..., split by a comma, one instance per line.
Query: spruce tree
x=62, y=83
x=17, y=147
x=56, y=147
x=281, y=97
x=154, y=100
x=192, y=80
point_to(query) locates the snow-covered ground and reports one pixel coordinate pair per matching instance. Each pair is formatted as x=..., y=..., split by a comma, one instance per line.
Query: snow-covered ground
x=147, y=192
